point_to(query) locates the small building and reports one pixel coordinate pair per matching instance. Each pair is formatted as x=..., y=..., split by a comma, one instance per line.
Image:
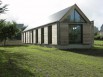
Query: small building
x=68, y=28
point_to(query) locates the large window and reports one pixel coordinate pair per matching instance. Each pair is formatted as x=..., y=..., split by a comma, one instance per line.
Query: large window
x=75, y=17
x=49, y=34
x=42, y=35
x=36, y=35
x=75, y=34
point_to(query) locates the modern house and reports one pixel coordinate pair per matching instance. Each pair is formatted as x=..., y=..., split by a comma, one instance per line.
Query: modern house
x=68, y=28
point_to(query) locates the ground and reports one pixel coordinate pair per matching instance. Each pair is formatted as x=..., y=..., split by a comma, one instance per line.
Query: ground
x=37, y=61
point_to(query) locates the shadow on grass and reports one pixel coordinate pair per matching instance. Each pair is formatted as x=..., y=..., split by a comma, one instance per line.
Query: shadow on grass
x=9, y=66
x=95, y=51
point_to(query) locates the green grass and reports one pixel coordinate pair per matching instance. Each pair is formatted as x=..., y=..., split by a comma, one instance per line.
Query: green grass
x=37, y=61
x=98, y=42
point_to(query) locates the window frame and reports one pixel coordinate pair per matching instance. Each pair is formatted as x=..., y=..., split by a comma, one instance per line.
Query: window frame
x=81, y=25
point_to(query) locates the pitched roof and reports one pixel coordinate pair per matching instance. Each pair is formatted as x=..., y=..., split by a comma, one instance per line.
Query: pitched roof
x=53, y=18
x=57, y=16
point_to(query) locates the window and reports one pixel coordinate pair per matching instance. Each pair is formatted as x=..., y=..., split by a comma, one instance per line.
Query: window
x=37, y=36
x=49, y=34
x=75, y=34
x=75, y=17
x=42, y=35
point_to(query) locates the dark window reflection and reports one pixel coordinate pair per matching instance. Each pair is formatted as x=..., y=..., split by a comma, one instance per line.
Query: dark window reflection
x=75, y=34
x=75, y=17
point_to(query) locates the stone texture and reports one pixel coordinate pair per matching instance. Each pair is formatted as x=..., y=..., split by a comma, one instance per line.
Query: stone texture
x=45, y=35
x=54, y=34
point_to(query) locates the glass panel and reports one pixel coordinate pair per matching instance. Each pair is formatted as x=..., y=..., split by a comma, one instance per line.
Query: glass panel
x=74, y=17
x=75, y=34
x=71, y=17
x=78, y=18
x=42, y=35
x=49, y=34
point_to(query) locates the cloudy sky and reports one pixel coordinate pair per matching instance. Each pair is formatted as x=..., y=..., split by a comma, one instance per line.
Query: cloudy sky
x=30, y=11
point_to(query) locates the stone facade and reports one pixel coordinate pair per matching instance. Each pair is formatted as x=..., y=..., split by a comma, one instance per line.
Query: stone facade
x=60, y=33
x=54, y=34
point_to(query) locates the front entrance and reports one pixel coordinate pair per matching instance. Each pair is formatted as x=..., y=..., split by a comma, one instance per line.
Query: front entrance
x=75, y=34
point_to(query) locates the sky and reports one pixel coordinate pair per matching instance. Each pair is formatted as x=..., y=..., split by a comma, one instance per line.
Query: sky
x=30, y=11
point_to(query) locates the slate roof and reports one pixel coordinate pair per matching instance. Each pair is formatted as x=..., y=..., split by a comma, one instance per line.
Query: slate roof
x=57, y=16
x=53, y=18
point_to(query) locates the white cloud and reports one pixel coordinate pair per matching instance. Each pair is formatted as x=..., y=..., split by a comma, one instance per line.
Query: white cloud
x=29, y=11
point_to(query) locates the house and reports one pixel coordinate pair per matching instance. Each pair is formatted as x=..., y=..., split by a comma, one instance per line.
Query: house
x=101, y=31
x=68, y=28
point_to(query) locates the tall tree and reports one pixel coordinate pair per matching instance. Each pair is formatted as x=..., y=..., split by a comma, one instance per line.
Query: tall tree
x=7, y=31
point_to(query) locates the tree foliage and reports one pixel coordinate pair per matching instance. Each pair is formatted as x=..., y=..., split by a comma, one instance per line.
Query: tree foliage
x=96, y=30
x=3, y=8
x=7, y=31
x=18, y=36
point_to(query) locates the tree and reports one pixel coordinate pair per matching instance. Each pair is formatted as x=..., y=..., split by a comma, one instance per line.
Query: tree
x=7, y=31
x=3, y=8
x=96, y=30
x=101, y=29
x=21, y=27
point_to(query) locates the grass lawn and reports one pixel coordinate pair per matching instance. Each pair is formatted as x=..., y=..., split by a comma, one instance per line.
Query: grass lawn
x=98, y=42
x=37, y=61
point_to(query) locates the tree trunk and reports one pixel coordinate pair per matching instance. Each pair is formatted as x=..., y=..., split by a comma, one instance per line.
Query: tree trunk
x=4, y=42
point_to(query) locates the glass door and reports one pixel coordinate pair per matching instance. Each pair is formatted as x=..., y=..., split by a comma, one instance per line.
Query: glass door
x=75, y=34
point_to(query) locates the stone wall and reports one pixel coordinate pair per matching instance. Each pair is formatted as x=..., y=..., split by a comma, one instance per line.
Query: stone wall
x=12, y=42
x=64, y=40
x=39, y=36
x=54, y=34
x=87, y=34
x=34, y=36
x=46, y=35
